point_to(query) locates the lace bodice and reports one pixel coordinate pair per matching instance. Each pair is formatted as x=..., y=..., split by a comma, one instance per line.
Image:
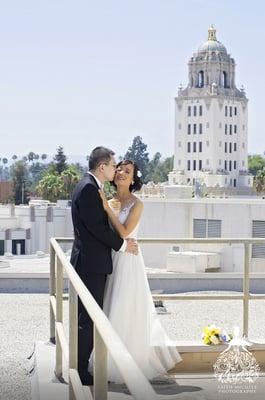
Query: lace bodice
x=123, y=215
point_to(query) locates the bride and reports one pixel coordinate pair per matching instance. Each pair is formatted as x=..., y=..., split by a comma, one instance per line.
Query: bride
x=128, y=302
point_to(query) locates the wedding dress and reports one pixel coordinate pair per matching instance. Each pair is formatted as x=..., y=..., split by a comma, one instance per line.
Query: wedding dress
x=129, y=306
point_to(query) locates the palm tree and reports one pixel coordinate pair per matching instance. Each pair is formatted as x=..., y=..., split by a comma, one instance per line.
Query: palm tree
x=36, y=156
x=43, y=156
x=31, y=156
x=14, y=157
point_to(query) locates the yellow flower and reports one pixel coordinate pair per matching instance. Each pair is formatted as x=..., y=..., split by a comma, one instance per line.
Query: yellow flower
x=206, y=340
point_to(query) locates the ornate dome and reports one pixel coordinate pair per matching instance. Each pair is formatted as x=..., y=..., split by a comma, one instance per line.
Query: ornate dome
x=212, y=43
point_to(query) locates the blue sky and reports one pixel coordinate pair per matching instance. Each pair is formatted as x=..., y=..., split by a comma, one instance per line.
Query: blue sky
x=85, y=73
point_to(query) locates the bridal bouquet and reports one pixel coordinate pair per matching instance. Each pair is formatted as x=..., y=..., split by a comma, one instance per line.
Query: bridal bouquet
x=213, y=334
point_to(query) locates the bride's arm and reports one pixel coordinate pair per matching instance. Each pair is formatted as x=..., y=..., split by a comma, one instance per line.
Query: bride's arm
x=125, y=229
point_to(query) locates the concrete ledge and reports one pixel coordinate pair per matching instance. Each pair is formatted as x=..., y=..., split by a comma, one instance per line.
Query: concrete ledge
x=199, y=358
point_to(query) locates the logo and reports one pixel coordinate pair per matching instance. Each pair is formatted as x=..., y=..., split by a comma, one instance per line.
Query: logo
x=236, y=368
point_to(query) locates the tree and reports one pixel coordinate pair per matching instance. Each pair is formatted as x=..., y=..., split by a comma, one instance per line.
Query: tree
x=43, y=156
x=31, y=156
x=259, y=181
x=54, y=186
x=137, y=153
x=14, y=157
x=152, y=166
x=19, y=176
x=255, y=163
x=60, y=160
x=50, y=186
x=161, y=169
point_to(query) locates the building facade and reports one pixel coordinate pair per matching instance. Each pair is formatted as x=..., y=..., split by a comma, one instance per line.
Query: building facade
x=211, y=122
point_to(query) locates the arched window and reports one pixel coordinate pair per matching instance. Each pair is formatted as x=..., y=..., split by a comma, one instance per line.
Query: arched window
x=224, y=79
x=201, y=79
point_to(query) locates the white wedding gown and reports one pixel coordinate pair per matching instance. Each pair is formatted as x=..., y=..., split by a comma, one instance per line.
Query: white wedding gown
x=129, y=306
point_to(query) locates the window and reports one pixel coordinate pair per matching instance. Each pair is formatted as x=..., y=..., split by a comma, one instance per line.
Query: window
x=201, y=79
x=194, y=129
x=234, y=146
x=243, y=127
x=179, y=144
x=200, y=165
x=220, y=125
x=243, y=145
x=225, y=147
x=235, y=129
x=179, y=162
x=188, y=165
x=194, y=165
x=189, y=111
x=234, y=164
x=207, y=161
x=258, y=231
x=194, y=111
x=224, y=79
x=188, y=149
x=225, y=165
x=200, y=129
x=194, y=147
x=225, y=129
x=220, y=144
x=235, y=111
x=226, y=111
x=200, y=147
x=230, y=129
x=243, y=163
x=203, y=228
x=179, y=126
x=189, y=129
x=220, y=162
x=207, y=143
x=230, y=147
x=231, y=111
x=234, y=182
x=200, y=111
x=230, y=165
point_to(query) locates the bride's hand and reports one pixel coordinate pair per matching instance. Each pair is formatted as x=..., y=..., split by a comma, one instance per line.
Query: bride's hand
x=104, y=199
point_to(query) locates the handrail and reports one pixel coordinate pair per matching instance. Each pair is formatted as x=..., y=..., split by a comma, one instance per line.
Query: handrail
x=106, y=339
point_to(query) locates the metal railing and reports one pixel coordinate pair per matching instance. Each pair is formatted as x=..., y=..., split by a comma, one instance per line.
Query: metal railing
x=105, y=338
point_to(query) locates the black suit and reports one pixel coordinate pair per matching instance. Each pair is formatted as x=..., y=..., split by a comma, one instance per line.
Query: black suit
x=91, y=256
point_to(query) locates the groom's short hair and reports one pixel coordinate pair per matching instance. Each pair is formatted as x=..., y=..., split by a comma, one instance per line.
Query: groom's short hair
x=99, y=156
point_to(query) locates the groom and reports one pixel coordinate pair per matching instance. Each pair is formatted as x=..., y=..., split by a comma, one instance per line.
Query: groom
x=94, y=239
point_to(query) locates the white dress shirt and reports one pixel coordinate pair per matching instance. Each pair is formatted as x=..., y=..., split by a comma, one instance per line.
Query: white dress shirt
x=100, y=185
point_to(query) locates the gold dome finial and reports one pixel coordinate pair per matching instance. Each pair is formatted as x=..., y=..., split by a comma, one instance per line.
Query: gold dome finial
x=212, y=33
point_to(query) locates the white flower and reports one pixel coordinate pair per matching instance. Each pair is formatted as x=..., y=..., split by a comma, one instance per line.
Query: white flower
x=214, y=339
x=139, y=173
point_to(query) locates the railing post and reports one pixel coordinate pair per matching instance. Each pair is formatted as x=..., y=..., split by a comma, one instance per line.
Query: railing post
x=52, y=292
x=100, y=367
x=73, y=335
x=59, y=317
x=246, y=289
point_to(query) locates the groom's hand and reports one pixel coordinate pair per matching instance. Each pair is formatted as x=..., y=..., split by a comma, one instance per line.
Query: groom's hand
x=132, y=246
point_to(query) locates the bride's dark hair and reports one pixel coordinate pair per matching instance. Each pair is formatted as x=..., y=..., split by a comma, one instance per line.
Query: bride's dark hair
x=137, y=183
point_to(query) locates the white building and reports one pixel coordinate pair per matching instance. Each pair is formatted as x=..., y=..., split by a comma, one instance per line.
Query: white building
x=28, y=229
x=211, y=127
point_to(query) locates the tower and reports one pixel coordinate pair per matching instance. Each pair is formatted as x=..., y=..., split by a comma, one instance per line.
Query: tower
x=211, y=122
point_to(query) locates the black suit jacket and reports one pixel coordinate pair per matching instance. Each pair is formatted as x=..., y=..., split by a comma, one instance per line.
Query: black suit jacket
x=94, y=239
